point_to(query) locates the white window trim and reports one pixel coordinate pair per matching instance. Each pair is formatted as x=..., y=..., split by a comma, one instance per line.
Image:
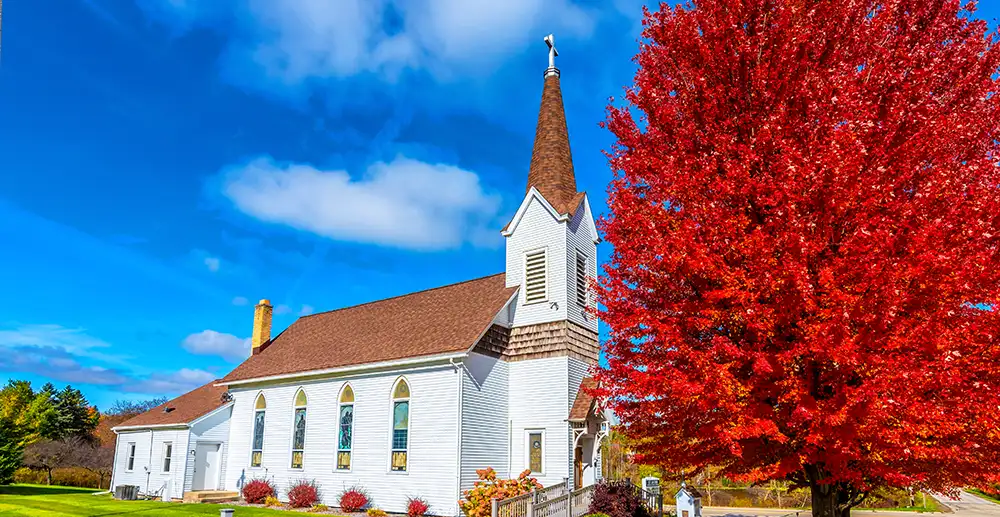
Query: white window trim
x=164, y=457
x=130, y=457
x=350, y=449
x=392, y=423
x=524, y=274
x=527, y=449
x=291, y=441
x=253, y=427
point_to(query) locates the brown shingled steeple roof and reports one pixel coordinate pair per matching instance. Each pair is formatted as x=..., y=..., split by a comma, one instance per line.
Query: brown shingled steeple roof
x=551, y=170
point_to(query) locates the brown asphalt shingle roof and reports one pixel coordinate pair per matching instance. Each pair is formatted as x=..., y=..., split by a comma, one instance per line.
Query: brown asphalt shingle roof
x=436, y=321
x=584, y=400
x=183, y=409
x=551, y=169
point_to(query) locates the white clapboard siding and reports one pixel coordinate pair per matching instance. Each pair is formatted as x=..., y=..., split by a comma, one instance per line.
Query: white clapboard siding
x=579, y=237
x=485, y=437
x=539, y=399
x=433, y=440
x=538, y=229
x=214, y=428
x=149, y=453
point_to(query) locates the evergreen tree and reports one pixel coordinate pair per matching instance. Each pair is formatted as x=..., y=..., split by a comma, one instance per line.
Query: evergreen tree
x=75, y=416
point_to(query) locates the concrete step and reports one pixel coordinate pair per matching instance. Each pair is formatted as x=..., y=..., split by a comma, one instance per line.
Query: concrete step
x=211, y=496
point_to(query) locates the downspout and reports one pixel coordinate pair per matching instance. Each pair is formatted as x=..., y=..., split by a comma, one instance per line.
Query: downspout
x=149, y=463
x=458, y=462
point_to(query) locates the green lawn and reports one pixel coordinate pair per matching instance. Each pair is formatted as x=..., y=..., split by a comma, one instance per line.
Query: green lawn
x=982, y=494
x=55, y=501
x=932, y=506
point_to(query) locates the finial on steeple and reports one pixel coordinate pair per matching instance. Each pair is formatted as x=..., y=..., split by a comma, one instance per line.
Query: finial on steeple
x=550, y=40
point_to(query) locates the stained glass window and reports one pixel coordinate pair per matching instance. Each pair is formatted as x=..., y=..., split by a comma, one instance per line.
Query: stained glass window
x=299, y=430
x=535, y=452
x=257, y=449
x=400, y=425
x=346, y=429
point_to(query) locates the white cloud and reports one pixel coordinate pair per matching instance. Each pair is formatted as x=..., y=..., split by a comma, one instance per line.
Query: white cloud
x=282, y=309
x=404, y=203
x=292, y=42
x=181, y=381
x=74, y=341
x=306, y=310
x=212, y=263
x=72, y=356
x=240, y=301
x=210, y=342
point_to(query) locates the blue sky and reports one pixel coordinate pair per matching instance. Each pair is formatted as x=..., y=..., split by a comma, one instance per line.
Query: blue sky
x=166, y=163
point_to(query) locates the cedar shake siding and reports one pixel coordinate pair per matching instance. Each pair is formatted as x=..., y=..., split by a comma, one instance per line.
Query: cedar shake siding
x=553, y=339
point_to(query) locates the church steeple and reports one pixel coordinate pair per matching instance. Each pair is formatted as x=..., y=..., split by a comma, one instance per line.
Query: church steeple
x=551, y=171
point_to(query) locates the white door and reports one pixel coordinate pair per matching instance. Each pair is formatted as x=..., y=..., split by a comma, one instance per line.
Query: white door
x=207, y=461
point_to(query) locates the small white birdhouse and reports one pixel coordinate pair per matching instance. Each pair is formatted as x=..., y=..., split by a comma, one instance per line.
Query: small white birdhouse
x=688, y=502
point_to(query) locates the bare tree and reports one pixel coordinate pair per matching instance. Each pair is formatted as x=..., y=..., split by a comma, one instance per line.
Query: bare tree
x=131, y=408
x=50, y=454
x=97, y=460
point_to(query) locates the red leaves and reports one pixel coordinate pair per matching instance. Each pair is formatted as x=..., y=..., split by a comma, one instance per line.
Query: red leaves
x=806, y=232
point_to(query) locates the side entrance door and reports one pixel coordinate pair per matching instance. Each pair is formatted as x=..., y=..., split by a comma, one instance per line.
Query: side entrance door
x=207, y=459
x=578, y=468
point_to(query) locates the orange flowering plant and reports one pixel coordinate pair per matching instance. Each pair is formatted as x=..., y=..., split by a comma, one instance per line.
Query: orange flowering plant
x=489, y=487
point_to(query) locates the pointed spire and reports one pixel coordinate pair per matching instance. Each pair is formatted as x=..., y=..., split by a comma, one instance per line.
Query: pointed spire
x=551, y=171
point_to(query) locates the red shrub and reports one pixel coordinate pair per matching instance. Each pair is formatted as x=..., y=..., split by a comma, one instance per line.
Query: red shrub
x=303, y=494
x=618, y=500
x=416, y=507
x=257, y=490
x=353, y=500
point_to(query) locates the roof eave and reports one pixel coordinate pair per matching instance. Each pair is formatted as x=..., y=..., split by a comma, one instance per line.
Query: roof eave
x=149, y=426
x=521, y=210
x=210, y=413
x=408, y=361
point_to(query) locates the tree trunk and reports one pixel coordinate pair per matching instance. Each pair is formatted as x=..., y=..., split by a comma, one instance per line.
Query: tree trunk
x=48, y=476
x=831, y=499
x=825, y=502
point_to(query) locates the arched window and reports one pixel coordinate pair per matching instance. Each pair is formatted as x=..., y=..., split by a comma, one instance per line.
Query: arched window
x=257, y=448
x=299, y=429
x=400, y=425
x=346, y=428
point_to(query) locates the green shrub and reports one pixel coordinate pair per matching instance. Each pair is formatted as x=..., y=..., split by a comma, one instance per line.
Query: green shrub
x=72, y=476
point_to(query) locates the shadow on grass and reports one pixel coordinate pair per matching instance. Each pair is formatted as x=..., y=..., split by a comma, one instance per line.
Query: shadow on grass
x=44, y=490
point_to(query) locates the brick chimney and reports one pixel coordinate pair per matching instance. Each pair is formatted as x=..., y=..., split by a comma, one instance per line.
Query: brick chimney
x=261, y=337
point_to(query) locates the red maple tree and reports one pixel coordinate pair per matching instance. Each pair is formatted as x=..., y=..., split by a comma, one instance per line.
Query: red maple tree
x=805, y=217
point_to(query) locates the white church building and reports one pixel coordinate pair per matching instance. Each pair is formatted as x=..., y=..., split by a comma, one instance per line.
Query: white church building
x=410, y=395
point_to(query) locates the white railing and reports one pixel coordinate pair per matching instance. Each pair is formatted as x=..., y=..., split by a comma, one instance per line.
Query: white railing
x=553, y=501
x=549, y=492
x=519, y=506
x=555, y=507
x=580, y=501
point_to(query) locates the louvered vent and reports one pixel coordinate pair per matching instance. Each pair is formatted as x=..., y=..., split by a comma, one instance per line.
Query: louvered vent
x=581, y=279
x=534, y=276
